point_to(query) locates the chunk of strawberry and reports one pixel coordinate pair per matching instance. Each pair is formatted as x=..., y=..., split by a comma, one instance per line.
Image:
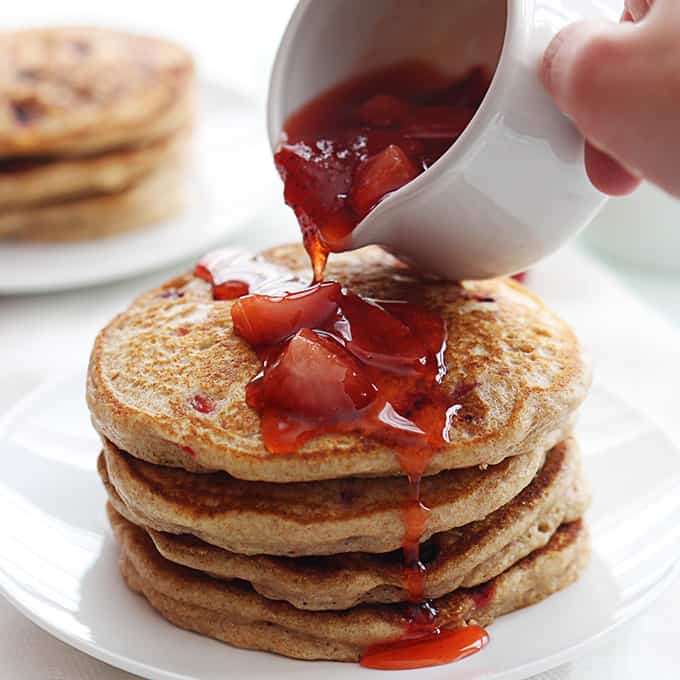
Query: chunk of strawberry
x=437, y=122
x=224, y=290
x=230, y=290
x=316, y=377
x=317, y=177
x=394, y=337
x=378, y=139
x=379, y=175
x=264, y=320
x=382, y=110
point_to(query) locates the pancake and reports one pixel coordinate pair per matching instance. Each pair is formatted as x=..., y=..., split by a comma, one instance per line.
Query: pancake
x=234, y=613
x=157, y=196
x=80, y=90
x=521, y=368
x=307, y=518
x=467, y=556
x=26, y=183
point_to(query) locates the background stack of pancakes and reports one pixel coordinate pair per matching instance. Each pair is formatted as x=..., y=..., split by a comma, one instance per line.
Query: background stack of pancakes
x=94, y=126
x=300, y=553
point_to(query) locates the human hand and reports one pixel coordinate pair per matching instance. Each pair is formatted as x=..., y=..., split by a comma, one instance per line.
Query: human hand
x=620, y=84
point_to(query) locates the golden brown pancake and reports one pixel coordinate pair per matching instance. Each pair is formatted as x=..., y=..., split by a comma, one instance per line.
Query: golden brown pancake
x=155, y=197
x=307, y=518
x=29, y=183
x=522, y=367
x=233, y=612
x=80, y=90
x=467, y=556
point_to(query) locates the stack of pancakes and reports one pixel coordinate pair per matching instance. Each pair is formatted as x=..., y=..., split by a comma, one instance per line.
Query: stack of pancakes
x=94, y=129
x=299, y=553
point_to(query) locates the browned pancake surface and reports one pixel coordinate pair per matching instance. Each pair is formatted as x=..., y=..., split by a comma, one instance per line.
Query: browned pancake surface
x=234, y=613
x=520, y=366
x=307, y=518
x=466, y=556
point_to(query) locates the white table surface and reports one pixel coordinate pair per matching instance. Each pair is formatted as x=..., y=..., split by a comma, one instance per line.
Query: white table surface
x=635, y=343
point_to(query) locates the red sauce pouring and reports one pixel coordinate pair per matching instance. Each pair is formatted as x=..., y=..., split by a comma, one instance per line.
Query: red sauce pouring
x=333, y=361
x=344, y=151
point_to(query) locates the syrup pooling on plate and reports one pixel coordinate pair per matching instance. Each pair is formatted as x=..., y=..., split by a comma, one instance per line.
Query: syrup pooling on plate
x=439, y=648
x=344, y=151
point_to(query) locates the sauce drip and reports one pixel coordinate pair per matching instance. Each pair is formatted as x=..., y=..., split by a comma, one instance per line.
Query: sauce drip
x=344, y=151
x=333, y=361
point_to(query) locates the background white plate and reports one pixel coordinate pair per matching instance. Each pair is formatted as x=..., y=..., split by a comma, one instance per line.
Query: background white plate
x=58, y=561
x=230, y=160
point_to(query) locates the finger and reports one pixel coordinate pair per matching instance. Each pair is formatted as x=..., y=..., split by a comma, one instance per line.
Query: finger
x=569, y=55
x=593, y=73
x=608, y=175
x=618, y=84
x=638, y=8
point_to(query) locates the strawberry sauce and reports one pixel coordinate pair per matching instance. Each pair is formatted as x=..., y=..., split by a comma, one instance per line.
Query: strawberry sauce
x=233, y=273
x=436, y=649
x=344, y=151
x=333, y=361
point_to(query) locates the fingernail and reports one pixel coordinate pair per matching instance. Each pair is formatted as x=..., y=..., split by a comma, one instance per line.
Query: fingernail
x=559, y=56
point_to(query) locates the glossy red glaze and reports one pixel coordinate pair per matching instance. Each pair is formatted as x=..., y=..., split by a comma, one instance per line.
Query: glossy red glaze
x=379, y=174
x=335, y=362
x=222, y=290
x=265, y=320
x=361, y=366
x=435, y=649
x=415, y=521
x=202, y=403
x=343, y=152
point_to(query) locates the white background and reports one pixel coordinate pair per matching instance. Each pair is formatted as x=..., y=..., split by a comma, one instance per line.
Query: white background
x=636, y=351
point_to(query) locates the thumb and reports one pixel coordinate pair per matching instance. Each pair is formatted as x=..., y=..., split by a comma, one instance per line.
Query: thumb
x=580, y=68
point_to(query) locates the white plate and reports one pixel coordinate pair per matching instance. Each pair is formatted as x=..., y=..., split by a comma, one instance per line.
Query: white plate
x=230, y=159
x=58, y=559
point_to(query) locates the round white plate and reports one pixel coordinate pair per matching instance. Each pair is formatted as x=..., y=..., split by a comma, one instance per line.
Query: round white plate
x=58, y=559
x=230, y=159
